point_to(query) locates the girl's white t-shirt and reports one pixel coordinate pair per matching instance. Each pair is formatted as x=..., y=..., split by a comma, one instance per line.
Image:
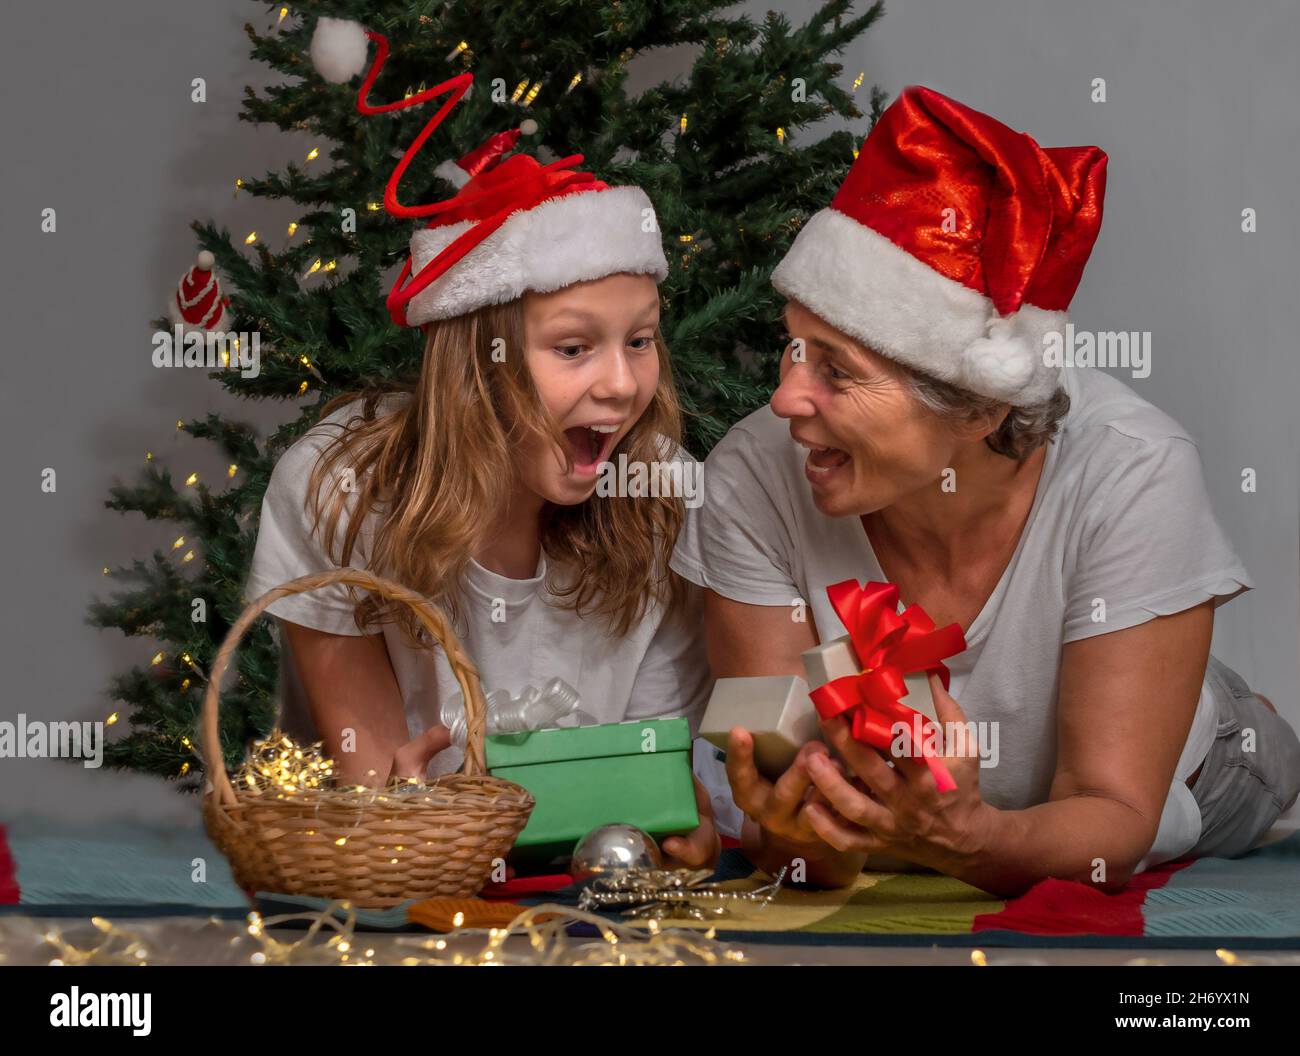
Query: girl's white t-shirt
x=511, y=628
x=1121, y=516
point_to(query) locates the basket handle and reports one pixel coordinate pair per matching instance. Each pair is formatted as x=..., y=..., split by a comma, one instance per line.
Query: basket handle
x=429, y=615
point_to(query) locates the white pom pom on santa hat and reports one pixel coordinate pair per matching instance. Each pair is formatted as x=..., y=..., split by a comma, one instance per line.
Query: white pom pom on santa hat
x=528, y=126
x=205, y=260
x=338, y=49
x=1001, y=364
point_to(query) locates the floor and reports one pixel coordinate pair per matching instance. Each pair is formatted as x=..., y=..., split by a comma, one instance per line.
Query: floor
x=196, y=941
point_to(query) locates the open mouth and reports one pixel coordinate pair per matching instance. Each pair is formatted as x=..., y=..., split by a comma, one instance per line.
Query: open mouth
x=822, y=460
x=589, y=444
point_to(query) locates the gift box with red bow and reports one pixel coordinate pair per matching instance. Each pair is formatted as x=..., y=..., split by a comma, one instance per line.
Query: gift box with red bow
x=886, y=656
x=864, y=676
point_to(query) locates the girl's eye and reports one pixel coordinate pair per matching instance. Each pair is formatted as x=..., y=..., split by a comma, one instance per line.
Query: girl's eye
x=641, y=343
x=569, y=351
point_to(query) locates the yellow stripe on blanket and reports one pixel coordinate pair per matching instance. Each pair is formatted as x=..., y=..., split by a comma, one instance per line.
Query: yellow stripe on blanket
x=793, y=909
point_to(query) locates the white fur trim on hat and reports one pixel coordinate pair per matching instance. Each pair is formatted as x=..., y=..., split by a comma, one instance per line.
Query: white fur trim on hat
x=452, y=173
x=873, y=290
x=575, y=238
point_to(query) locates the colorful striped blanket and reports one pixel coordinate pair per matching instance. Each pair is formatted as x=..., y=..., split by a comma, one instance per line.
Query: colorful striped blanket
x=130, y=869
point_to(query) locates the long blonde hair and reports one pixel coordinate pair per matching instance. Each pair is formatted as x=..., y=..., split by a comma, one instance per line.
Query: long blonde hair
x=438, y=468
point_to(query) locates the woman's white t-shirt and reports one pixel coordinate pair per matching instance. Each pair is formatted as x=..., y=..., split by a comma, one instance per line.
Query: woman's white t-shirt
x=513, y=630
x=1121, y=514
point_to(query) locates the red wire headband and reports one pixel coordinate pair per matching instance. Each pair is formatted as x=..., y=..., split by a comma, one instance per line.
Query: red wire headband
x=532, y=187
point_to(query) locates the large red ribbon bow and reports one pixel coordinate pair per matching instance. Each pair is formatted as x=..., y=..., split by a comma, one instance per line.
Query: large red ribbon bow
x=889, y=645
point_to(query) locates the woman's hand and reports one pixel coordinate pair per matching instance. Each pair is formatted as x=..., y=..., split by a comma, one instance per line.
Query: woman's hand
x=702, y=846
x=901, y=812
x=780, y=831
x=774, y=807
x=412, y=759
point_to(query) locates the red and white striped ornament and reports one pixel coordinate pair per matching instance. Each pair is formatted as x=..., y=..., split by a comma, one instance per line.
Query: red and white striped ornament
x=197, y=303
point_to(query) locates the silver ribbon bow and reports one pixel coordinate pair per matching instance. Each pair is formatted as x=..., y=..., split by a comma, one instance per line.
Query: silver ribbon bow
x=532, y=709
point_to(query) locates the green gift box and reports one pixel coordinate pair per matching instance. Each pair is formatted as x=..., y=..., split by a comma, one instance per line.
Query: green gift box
x=634, y=773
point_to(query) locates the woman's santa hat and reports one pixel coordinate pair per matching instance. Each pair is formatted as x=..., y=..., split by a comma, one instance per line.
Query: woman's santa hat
x=953, y=246
x=514, y=225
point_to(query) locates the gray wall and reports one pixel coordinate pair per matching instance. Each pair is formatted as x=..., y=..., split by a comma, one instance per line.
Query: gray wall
x=98, y=124
x=1200, y=122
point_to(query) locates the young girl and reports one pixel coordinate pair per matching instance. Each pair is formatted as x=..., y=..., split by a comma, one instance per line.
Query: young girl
x=536, y=288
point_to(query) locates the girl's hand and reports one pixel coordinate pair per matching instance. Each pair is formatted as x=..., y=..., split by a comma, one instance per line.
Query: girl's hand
x=412, y=759
x=901, y=812
x=701, y=847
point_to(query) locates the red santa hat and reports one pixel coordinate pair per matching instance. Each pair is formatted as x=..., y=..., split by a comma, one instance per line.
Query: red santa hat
x=953, y=246
x=514, y=225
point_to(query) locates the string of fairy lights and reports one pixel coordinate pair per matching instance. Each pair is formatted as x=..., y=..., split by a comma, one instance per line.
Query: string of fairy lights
x=328, y=936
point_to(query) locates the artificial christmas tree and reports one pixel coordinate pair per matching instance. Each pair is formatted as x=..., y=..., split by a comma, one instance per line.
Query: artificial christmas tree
x=715, y=150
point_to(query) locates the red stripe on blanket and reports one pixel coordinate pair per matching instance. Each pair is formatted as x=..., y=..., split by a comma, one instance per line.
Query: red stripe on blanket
x=1068, y=907
x=8, y=873
x=523, y=886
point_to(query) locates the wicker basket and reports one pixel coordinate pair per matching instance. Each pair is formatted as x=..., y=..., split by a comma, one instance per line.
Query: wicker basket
x=394, y=846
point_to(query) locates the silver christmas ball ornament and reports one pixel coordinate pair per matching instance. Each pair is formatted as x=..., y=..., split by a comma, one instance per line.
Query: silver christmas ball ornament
x=614, y=849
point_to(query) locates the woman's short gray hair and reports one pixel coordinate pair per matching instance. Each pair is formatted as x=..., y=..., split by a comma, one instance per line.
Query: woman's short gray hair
x=1023, y=430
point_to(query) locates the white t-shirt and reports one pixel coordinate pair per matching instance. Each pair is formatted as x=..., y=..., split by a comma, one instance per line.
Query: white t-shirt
x=1121, y=514
x=657, y=670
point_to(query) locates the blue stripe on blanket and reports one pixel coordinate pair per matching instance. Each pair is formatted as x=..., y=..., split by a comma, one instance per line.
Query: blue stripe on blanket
x=119, y=866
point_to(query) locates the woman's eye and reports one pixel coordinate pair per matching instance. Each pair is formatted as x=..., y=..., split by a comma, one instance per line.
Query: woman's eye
x=835, y=374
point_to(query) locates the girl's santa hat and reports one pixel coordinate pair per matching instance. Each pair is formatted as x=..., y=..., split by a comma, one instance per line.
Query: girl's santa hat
x=954, y=246
x=514, y=225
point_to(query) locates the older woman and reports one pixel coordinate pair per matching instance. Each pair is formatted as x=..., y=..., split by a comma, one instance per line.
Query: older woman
x=923, y=433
